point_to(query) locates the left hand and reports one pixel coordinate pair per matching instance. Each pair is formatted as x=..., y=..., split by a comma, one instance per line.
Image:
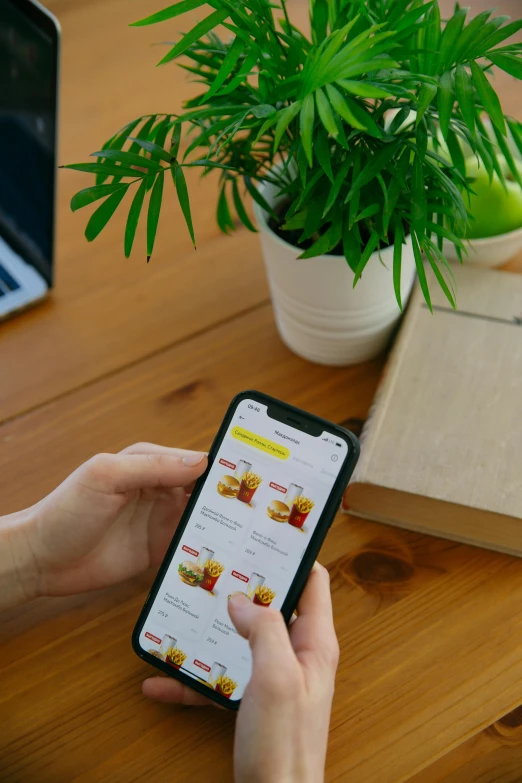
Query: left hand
x=112, y=518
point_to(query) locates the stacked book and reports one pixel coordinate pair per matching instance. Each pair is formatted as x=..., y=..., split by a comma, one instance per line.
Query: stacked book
x=442, y=448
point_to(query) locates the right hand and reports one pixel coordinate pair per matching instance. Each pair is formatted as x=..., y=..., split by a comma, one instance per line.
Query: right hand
x=283, y=721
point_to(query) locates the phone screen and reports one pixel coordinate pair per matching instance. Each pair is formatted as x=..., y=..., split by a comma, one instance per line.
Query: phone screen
x=248, y=532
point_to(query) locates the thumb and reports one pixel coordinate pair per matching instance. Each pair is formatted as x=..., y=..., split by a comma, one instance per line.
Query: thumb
x=120, y=473
x=264, y=628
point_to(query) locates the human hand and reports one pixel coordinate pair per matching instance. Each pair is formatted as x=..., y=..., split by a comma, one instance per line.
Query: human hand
x=112, y=518
x=282, y=724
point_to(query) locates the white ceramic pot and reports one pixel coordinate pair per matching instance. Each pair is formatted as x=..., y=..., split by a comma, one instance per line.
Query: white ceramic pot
x=490, y=251
x=319, y=315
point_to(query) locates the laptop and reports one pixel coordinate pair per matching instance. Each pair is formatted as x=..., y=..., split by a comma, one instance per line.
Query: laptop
x=29, y=59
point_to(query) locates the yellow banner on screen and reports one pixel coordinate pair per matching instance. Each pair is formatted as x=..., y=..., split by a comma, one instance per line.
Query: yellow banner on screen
x=258, y=442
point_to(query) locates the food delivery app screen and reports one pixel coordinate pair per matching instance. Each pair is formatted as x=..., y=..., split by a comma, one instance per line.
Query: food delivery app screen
x=248, y=532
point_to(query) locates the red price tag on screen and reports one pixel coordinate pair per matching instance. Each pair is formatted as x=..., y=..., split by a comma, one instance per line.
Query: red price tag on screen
x=153, y=638
x=278, y=487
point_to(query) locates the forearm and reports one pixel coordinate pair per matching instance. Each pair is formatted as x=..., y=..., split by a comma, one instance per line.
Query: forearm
x=19, y=577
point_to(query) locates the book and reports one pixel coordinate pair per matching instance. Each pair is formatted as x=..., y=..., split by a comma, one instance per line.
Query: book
x=441, y=452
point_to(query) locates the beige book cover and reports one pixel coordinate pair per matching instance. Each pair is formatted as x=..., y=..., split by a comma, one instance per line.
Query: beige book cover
x=442, y=448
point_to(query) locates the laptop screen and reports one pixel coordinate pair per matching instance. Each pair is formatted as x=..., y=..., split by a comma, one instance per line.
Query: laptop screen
x=28, y=106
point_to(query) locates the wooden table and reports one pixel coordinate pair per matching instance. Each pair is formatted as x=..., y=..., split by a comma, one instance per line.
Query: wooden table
x=431, y=667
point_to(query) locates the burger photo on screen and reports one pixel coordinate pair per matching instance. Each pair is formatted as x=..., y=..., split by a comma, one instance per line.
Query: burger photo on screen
x=278, y=511
x=228, y=486
x=190, y=573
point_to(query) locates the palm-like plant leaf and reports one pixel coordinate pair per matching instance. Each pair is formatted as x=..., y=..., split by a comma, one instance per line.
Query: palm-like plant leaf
x=352, y=117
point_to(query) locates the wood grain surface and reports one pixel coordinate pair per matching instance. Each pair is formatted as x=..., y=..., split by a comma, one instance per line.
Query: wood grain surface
x=430, y=679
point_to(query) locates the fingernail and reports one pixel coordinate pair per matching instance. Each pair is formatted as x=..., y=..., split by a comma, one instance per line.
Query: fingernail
x=191, y=460
x=239, y=600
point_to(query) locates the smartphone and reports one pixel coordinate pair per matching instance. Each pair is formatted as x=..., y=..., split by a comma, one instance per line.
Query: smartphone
x=254, y=524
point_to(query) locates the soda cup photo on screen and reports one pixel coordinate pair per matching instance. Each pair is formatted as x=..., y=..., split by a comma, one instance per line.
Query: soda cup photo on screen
x=218, y=680
x=255, y=581
x=242, y=467
x=168, y=642
x=205, y=554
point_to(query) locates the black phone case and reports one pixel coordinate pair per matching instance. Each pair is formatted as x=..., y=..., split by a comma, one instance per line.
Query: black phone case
x=301, y=576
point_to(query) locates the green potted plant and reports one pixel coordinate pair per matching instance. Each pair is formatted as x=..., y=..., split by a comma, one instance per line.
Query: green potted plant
x=336, y=136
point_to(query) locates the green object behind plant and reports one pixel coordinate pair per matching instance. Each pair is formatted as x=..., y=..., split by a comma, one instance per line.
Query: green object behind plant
x=317, y=106
x=494, y=208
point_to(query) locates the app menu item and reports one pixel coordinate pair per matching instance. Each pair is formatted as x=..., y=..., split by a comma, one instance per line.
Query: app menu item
x=242, y=486
x=243, y=536
x=294, y=509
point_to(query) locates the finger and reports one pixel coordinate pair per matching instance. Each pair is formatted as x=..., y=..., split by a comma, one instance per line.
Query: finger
x=313, y=631
x=173, y=692
x=126, y=472
x=189, y=490
x=316, y=599
x=154, y=448
x=265, y=630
